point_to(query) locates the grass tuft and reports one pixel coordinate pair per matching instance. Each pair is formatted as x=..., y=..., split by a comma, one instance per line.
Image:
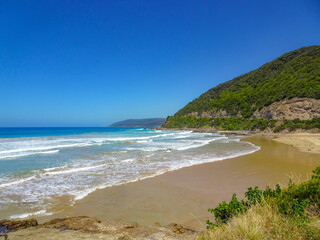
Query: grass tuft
x=263, y=222
x=290, y=213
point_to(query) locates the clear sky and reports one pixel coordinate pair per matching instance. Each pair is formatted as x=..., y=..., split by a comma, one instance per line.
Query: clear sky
x=89, y=63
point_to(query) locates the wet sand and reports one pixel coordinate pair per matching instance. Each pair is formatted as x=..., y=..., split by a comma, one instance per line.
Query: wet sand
x=183, y=196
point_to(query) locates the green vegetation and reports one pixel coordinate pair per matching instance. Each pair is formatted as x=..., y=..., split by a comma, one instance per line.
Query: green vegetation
x=281, y=213
x=234, y=123
x=292, y=125
x=294, y=74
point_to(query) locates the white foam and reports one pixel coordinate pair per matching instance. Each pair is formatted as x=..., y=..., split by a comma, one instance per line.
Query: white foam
x=16, y=182
x=26, y=147
x=49, y=152
x=199, y=143
x=28, y=154
x=26, y=215
x=189, y=163
x=73, y=170
x=123, y=139
x=143, y=141
x=30, y=146
x=51, y=172
x=128, y=160
x=42, y=148
x=168, y=146
x=79, y=177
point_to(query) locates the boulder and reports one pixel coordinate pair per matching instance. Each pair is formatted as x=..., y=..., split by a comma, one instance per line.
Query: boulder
x=178, y=229
x=12, y=225
x=83, y=223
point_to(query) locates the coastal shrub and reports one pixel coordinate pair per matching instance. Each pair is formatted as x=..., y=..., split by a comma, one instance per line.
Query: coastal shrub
x=292, y=125
x=239, y=124
x=225, y=210
x=291, y=201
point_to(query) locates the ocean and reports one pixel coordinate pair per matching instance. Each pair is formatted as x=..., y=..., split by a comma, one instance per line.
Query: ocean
x=42, y=167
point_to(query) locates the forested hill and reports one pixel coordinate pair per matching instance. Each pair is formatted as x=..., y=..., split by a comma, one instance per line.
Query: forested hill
x=285, y=88
x=146, y=122
x=294, y=74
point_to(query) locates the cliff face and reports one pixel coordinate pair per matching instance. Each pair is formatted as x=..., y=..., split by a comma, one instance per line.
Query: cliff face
x=302, y=108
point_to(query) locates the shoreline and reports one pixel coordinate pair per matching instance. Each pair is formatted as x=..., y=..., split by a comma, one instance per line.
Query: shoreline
x=65, y=201
x=184, y=195
x=152, y=199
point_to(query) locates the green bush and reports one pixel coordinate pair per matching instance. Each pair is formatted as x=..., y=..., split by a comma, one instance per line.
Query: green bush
x=235, y=123
x=291, y=201
x=292, y=125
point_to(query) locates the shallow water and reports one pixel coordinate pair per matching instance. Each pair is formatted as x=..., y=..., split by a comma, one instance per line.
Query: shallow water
x=40, y=166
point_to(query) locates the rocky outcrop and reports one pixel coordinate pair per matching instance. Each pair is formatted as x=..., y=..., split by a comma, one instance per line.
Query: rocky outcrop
x=302, y=108
x=83, y=223
x=12, y=225
x=91, y=228
x=178, y=229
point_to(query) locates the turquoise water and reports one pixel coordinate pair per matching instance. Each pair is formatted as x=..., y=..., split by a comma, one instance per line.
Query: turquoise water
x=38, y=166
x=54, y=131
x=25, y=153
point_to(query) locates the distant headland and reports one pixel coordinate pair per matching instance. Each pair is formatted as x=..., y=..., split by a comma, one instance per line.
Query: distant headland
x=145, y=122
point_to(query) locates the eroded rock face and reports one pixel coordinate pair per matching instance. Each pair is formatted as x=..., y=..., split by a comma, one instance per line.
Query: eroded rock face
x=302, y=108
x=219, y=114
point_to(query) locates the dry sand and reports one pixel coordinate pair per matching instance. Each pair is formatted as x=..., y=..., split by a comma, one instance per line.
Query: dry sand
x=305, y=142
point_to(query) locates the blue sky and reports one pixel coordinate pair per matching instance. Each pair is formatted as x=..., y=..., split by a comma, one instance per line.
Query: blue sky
x=90, y=63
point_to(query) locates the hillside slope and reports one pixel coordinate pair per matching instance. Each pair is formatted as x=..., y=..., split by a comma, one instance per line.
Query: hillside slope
x=294, y=74
x=286, y=88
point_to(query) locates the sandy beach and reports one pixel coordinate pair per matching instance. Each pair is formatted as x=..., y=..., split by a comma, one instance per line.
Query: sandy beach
x=305, y=142
x=183, y=196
